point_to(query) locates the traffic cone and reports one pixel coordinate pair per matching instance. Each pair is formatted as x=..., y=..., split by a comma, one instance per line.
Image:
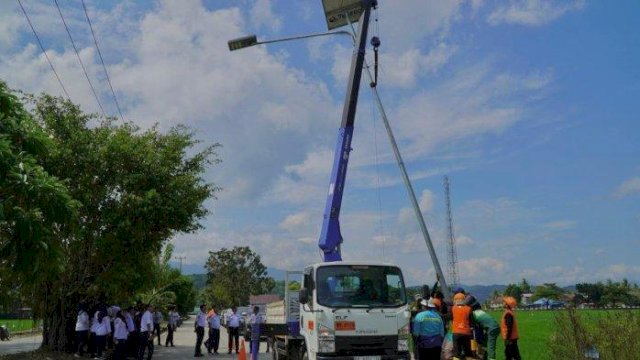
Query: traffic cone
x=242, y=355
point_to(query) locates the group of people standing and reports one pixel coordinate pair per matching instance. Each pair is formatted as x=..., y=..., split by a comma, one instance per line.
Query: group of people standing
x=472, y=332
x=129, y=332
x=207, y=320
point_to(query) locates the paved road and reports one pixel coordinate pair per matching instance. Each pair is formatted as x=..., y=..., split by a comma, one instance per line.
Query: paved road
x=20, y=344
x=184, y=340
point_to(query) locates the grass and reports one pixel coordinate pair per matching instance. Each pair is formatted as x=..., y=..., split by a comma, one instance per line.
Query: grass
x=536, y=327
x=18, y=325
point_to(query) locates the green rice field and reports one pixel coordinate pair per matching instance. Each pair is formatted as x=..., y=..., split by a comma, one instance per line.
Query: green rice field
x=536, y=327
x=18, y=325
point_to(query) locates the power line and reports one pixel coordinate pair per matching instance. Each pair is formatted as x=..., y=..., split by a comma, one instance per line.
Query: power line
x=79, y=59
x=44, y=51
x=102, y=60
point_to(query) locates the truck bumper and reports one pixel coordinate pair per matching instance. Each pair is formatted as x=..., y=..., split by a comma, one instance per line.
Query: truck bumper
x=398, y=356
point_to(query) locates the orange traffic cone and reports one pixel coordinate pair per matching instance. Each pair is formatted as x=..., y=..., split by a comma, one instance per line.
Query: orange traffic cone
x=242, y=355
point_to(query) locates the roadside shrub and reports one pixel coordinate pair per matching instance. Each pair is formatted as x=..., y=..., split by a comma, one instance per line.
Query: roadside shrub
x=613, y=334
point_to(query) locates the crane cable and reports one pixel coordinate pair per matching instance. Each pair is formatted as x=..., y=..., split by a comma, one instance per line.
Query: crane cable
x=375, y=42
x=44, y=52
x=115, y=99
x=75, y=48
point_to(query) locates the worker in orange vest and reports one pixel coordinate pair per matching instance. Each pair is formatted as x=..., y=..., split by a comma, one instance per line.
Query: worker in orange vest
x=461, y=327
x=509, y=329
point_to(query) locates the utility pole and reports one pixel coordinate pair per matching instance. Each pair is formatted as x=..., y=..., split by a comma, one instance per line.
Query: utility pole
x=180, y=258
x=451, y=244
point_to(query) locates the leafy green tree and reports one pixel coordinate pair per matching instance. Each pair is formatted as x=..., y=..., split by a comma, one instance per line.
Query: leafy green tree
x=33, y=203
x=136, y=189
x=549, y=291
x=234, y=275
x=593, y=292
x=185, y=294
x=524, y=286
x=515, y=291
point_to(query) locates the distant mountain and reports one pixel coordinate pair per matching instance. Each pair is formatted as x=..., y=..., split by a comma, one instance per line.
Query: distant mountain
x=481, y=292
x=188, y=269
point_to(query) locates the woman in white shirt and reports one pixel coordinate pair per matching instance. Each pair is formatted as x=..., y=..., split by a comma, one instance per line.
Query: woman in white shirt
x=120, y=334
x=103, y=329
x=82, y=330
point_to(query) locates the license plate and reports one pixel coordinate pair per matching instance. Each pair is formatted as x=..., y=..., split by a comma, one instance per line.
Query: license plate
x=366, y=358
x=346, y=326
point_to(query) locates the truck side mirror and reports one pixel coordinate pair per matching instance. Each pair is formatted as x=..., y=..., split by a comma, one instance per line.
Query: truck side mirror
x=303, y=296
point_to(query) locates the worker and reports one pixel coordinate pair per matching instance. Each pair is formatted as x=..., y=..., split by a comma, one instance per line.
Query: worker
x=255, y=321
x=428, y=330
x=461, y=327
x=509, y=329
x=486, y=330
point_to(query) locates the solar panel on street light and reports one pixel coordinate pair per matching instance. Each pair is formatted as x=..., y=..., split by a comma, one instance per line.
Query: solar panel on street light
x=340, y=12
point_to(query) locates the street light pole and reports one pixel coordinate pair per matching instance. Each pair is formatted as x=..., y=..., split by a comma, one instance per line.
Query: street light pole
x=252, y=40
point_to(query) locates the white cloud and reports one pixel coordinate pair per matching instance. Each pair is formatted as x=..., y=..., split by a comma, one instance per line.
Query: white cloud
x=533, y=12
x=296, y=221
x=560, y=225
x=486, y=270
x=262, y=15
x=627, y=188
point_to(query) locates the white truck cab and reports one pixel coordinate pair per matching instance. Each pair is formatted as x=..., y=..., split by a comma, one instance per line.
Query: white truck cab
x=354, y=310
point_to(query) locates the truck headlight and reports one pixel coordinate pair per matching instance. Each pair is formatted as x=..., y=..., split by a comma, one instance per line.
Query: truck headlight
x=403, y=338
x=403, y=345
x=326, y=340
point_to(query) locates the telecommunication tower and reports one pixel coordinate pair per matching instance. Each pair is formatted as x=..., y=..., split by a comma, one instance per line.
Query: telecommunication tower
x=452, y=255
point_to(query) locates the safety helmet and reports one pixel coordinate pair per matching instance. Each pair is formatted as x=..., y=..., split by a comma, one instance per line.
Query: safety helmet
x=510, y=302
x=458, y=290
x=458, y=299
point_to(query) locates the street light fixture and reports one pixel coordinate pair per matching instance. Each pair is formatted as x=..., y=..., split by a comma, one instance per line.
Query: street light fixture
x=252, y=40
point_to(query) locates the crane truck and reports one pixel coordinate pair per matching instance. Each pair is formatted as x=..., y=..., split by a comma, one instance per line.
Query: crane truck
x=344, y=310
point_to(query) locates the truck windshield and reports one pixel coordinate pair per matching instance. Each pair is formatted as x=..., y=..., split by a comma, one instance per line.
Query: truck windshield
x=360, y=286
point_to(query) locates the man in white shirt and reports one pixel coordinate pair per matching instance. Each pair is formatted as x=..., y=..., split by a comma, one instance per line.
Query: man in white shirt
x=172, y=324
x=233, y=329
x=132, y=338
x=199, y=325
x=146, y=333
x=82, y=330
x=214, y=332
x=157, y=320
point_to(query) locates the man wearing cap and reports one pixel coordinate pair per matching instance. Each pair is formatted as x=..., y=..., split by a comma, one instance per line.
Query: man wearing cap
x=428, y=330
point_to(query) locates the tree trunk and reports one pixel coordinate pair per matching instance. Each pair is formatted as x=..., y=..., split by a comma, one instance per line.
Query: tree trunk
x=58, y=327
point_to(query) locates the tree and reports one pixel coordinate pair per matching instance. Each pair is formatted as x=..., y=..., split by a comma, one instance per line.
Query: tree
x=548, y=291
x=233, y=275
x=593, y=292
x=515, y=291
x=525, y=287
x=136, y=189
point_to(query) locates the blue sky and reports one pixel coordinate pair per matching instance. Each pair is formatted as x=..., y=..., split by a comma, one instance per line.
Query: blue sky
x=529, y=106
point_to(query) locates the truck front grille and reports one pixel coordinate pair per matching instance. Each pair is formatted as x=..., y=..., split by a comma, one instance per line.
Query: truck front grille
x=366, y=345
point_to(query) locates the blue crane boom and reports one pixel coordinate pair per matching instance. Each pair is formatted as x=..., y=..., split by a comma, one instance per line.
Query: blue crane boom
x=330, y=236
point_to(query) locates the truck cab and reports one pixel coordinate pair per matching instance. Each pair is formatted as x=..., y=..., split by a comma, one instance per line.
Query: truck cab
x=354, y=310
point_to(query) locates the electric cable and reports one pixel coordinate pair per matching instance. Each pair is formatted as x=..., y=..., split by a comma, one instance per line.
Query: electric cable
x=75, y=48
x=115, y=99
x=43, y=50
x=375, y=141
